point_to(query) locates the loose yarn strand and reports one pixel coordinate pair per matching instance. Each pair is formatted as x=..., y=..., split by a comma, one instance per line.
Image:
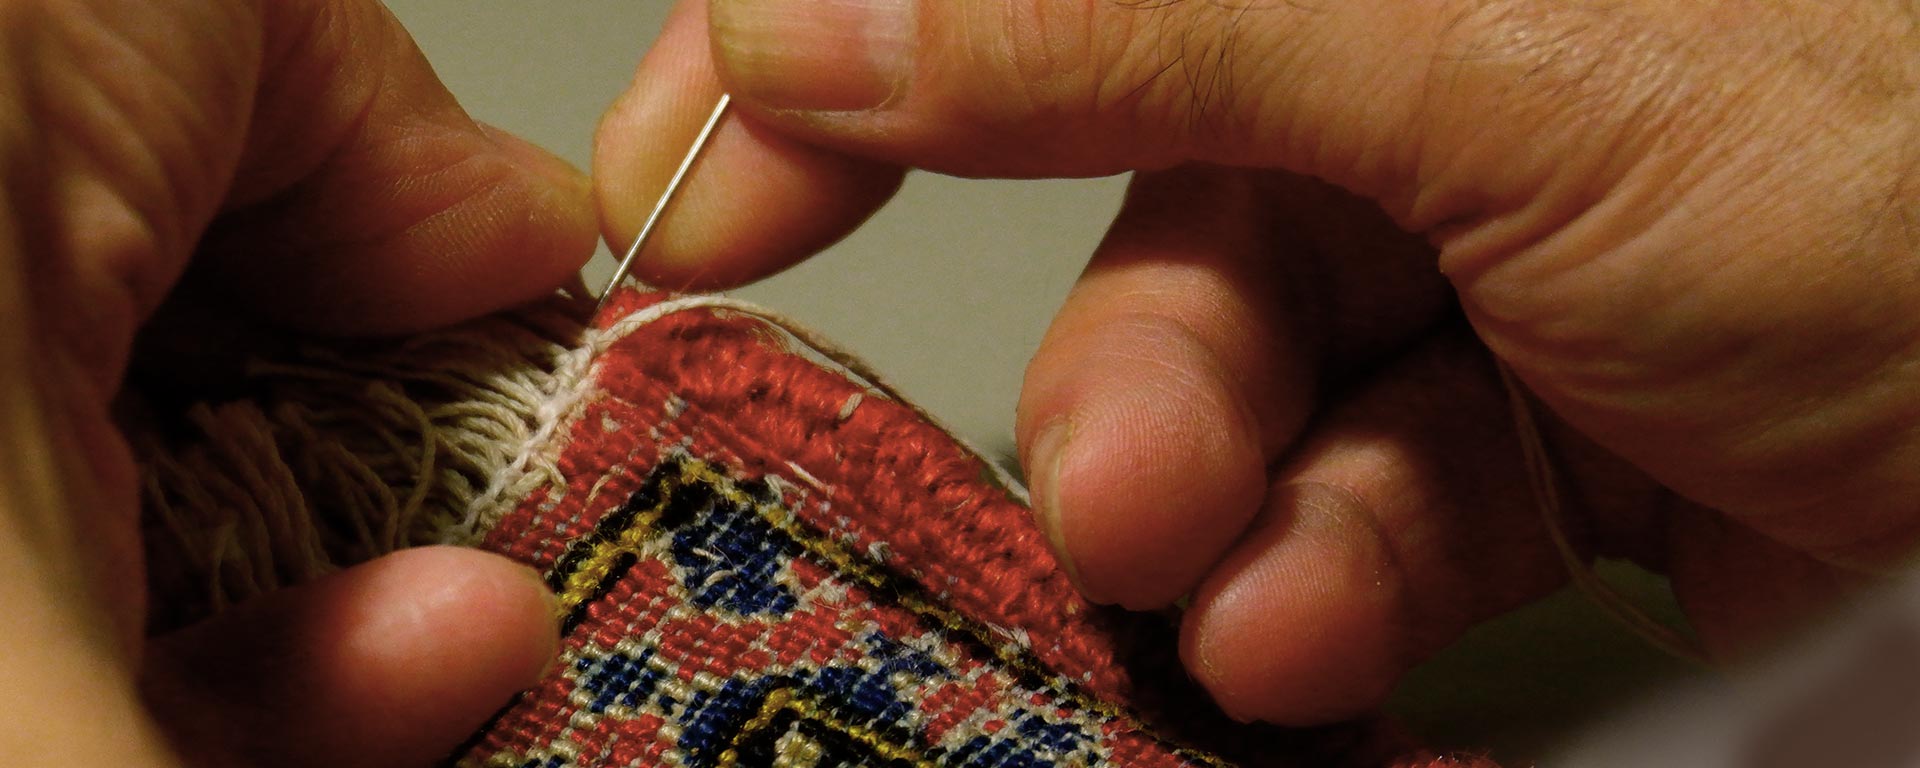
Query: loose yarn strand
x=343, y=455
x=1544, y=483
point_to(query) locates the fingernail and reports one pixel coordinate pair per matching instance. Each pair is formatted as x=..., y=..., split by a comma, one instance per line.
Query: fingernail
x=547, y=595
x=1045, y=457
x=552, y=603
x=815, y=55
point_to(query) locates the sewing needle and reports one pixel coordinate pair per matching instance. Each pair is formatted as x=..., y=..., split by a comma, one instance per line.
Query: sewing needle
x=666, y=197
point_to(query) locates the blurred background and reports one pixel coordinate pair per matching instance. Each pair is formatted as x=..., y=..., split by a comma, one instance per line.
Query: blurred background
x=947, y=292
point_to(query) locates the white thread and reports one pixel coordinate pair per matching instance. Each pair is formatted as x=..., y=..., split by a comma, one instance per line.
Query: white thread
x=398, y=471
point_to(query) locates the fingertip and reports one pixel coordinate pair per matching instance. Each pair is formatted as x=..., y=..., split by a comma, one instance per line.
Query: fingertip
x=819, y=57
x=424, y=646
x=1043, y=458
x=754, y=203
x=368, y=201
x=1295, y=626
x=479, y=624
x=1399, y=522
x=1179, y=384
x=391, y=663
x=1161, y=466
x=563, y=180
x=402, y=234
x=561, y=226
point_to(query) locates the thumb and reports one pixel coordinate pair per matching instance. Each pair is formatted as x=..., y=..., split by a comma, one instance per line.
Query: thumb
x=1360, y=93
x=1381, y=98
x=1629, y=198
x=389, y=663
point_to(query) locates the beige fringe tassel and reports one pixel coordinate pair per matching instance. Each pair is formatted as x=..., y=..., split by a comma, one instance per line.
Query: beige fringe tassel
x=348, y=452
x=352, y=451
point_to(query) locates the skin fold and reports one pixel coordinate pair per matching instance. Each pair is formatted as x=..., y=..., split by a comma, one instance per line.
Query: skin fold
x=1689, y=229
x=138, y=136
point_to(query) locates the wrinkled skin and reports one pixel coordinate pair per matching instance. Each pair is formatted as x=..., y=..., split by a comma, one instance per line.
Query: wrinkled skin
x=1689, y=228
x=305, y=152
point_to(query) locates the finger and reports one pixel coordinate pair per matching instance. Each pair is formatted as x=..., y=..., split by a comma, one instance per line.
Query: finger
x=1404, y=519
x=388, y=664
x=1139, y=419
x=1745, y=594
x=1188, y=357
x=69, y=655
x=134, y=121
x=1627, y=212
x=367, y=200
x=757, y=201
x=361, y=198
x=1350, y=91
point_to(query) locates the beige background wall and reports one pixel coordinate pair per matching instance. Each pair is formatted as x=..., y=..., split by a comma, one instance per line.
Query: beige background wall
x=946, y=292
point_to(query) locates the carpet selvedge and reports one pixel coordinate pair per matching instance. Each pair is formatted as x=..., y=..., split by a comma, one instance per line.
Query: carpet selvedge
x=864, y=701
x=756, y=612
x=765, y=556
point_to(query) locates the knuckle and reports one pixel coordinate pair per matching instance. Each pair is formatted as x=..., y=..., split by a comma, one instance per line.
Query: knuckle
x=1553, y=62
x=1045, y=55
x=1186, y=66
x=1175, y=65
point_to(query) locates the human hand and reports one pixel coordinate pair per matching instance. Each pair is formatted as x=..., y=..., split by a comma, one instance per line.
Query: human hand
x=1690, y=229
x=328, y=183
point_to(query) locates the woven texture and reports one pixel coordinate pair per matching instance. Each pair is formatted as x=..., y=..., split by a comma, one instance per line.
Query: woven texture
x=765, y=562
x=765, y=559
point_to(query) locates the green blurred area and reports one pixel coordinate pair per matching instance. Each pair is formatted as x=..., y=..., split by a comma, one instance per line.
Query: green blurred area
x=1519, y=686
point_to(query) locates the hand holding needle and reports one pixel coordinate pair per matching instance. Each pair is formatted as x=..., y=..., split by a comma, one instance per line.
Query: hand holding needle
x=666, y=198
